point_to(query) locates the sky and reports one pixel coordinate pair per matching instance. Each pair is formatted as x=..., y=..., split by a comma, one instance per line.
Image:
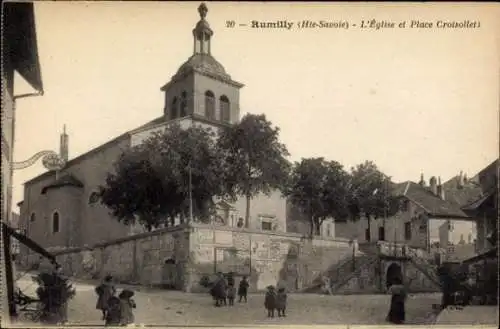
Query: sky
x=411, y=100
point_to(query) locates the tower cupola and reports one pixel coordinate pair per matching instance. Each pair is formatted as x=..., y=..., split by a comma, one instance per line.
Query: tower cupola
x=202, y=33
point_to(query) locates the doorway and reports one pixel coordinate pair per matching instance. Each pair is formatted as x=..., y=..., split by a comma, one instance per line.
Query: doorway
x=170, y=274
x=394, y=275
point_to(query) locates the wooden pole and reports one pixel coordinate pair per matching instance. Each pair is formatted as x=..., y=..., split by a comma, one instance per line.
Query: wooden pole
x=190, y=196
x=8, y=273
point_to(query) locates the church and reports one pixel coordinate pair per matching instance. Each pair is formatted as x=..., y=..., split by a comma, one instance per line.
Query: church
x=62, y=209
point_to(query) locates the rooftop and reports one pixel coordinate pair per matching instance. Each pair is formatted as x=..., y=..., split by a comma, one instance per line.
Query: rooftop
x=433, y=204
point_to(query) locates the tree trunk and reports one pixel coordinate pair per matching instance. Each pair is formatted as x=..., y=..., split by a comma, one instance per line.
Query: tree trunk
x=311, y=233
x=368, y=220
x=247, y=210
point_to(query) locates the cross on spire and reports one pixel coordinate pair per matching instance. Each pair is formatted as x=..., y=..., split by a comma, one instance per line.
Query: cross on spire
x=203, y=10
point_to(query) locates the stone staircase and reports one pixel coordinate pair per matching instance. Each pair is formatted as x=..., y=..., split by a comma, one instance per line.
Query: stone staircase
x=415, y=256
x=349, y=270
x=341, y=272
x=428, y=269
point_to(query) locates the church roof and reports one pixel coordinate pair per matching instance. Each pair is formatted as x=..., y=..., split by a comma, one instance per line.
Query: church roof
x=67, y=180
x=205, y=63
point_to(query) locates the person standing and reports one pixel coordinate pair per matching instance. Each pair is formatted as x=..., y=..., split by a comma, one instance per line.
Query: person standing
x=113, y=315
x=270, y=301
x=231, y=292
x=243, y=289
x=127, y=304
x=398, y=299
x=219, y=290
x=104, y=292
x=230, y=279
x=281, y=299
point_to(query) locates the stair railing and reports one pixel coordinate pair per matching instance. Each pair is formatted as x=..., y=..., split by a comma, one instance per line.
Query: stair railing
x=368, y=261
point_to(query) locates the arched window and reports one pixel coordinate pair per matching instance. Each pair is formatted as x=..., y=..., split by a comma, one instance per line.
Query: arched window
x=55, y=222
x=93, y=197
x=32, y=217
x=225, y=111
x=209, y=105
x=173, y=110
x=183, y=110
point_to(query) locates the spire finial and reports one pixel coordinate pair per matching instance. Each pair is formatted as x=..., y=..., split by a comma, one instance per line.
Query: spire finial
x=203, y=10
x=64, y=129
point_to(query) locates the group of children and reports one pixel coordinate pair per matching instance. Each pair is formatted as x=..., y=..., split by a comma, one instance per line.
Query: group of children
x=275, y=301
x=116, y=311
x=224, y=293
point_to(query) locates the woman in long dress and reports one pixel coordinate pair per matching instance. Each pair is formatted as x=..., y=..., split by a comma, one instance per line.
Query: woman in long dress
x=397, y=310
x=104, y=292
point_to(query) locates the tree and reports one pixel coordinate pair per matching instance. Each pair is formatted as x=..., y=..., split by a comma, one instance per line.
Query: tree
x=152, y=182
x=370, y=194
x=253, y=158
x=319, y=189
x=54, y=292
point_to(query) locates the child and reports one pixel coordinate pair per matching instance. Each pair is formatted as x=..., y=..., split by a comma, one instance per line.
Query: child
x=231, y=291
x=270, y=301
x=113, y=314
x=126, y=306
x=281, y=302
x=243, y=289
x=104, y=292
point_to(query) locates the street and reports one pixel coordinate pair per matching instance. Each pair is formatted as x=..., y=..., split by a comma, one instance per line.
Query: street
x=157, y=307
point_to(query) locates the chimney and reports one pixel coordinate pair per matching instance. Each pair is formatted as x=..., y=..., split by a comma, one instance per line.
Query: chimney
x=460, y=182
x=465, y=178
x=63, y=145
x=433, y=185
x=422, y=181
x=439, y=189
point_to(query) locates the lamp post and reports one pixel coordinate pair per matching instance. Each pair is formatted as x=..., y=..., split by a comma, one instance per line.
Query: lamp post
x=190, y=195
x=353, y=244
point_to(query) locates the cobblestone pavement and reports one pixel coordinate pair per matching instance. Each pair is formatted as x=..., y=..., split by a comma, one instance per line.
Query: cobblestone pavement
x=176, y=308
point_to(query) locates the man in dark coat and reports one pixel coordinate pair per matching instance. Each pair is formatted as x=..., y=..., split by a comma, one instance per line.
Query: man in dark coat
x=219, y=290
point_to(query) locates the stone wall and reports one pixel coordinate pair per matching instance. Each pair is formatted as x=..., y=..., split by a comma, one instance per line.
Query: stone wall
x=181, y=256
x=266, y=258
x=136, y=259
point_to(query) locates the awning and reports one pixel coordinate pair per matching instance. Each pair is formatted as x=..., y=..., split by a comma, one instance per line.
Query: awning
x=490, y=254
x=478, y=203
x=28, y=242
x=20, y=36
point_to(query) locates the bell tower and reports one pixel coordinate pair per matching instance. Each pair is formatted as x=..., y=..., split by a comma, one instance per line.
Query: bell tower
x=202, y=33
x=201, y=89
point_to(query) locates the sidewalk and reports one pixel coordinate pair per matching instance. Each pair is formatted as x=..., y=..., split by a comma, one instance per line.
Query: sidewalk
x=469, y=315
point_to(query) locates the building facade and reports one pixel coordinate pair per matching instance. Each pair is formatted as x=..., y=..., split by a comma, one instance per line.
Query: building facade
x=485, y=207
x=423, y=210
x=61, y=209
x=19, y=54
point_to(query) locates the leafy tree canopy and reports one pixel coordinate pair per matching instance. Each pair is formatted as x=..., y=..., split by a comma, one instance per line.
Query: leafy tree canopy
x=319, y=189
x=254, y=159
x=370, y=192
x=151, y=181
